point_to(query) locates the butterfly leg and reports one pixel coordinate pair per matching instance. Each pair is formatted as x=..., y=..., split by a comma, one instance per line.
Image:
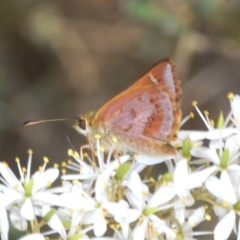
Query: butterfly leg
x=86, y=146
x=115, y=152
x=92, y=151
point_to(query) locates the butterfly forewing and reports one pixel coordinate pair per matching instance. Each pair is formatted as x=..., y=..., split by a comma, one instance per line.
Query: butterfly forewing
x=164, y=74
x=148, y=112
x=142, y=112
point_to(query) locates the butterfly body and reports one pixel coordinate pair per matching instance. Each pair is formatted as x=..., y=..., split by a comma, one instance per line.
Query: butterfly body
x=145, y=118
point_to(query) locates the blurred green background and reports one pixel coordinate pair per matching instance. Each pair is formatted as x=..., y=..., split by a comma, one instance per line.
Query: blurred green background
x=62, y=58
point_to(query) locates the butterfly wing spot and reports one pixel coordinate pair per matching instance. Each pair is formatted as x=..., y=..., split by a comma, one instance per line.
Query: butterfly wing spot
x=126, y=128
x=153, y=79
x=133, y=113
x=150, y=119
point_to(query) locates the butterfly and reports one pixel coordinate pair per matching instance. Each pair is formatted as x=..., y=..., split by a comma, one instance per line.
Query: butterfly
x=145, y=118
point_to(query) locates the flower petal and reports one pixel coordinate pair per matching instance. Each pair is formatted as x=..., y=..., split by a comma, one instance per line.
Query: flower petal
x=100, y=226
x=4, y=226
x=17, y=220
x=35, y=236
x=42, y=180
x=194, y=135
x=224, y=226
x=149, y=160
x=162, y=195
x=196, y=179
x=27, y=210
x=204, y=152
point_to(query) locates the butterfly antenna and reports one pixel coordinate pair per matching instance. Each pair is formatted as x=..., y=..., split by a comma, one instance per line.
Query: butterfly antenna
x=28, y=123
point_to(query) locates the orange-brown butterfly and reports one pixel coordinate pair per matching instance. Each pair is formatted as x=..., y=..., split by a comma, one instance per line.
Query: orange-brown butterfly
x=145, y=118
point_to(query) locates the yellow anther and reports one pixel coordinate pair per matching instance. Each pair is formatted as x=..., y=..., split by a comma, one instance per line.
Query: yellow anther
x=41, y=168
x=144, y=193
x=230, y=95
x=192, y=223
x=206, y=112
x=104, y=213
x=184, y=200
x=102, y=149
x=117, y=226
x=97, y=136
x=76, y=154
x=83, y=210
x=85, y=154
x=63, y=164
x=45, y=159
x=140, y=220
x=194, y=103
x=112, y=226
x=49, y=184
x=225, y=204
x=70, y=152
x=17, y=159
x=30, y=151
x=208, y=217
x=177, y=145
x=195, y=144
x=151, y=179
x=64, y=171
x=212, y=122
x=114, y=139
x=164, y=183
x=135, y=155
x=72, y=209
x=77, y=228
x=69, y=161
x=75, y=181
x=56, y=165
x=191, y=114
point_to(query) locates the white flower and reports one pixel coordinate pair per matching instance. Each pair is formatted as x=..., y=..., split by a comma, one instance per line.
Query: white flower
x=35, y=236
x=74, y=221
x=4, y=226
x=27, y=193
x=223, y=160
x=90, y=172
x=93, y=209
x=146, y=206
x=228, y=196
x=235, y=105
x=179, y=182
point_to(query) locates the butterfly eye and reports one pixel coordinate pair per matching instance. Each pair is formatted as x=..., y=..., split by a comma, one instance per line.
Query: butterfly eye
x=82, y=123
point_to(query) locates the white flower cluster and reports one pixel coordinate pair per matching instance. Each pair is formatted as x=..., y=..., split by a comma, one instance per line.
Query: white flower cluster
x=119, y=199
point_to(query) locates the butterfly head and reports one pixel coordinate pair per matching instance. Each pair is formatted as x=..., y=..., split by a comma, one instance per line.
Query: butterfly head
x=83, y=123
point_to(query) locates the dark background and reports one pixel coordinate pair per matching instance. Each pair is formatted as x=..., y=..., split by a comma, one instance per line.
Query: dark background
x=62, y=58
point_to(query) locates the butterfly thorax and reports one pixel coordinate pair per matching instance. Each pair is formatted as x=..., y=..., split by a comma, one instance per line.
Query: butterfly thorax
x=91, y=126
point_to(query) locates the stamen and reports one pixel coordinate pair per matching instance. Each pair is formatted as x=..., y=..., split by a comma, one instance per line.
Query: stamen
x=230, y=95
